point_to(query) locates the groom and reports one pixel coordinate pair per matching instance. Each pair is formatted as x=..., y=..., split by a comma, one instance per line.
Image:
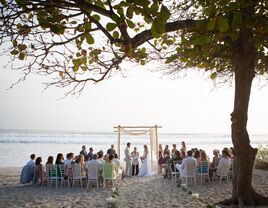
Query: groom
x=128, y=160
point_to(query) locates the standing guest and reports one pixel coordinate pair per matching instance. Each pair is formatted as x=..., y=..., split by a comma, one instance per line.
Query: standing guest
x=90, y=153
x=111, y=151
x=161, y=160
x=174, y=149
x=83, y=151
x=135, y=161
x=31, y=162
x=166, y=153
x=128, y=159
x=59, y=159
x=183, y=146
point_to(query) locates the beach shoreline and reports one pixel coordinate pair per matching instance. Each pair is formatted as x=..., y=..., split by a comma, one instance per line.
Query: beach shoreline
x=143, y=192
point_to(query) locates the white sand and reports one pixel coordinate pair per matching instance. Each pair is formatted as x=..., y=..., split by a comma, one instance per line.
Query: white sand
x=141, y=192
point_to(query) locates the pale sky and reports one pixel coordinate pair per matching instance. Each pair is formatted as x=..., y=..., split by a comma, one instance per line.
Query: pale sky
x=188, y=105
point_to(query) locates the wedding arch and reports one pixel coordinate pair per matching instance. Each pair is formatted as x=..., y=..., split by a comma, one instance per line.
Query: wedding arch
x=140, y=130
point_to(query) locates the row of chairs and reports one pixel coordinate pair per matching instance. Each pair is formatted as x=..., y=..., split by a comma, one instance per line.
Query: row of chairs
x=61, y=175
x=202, y=173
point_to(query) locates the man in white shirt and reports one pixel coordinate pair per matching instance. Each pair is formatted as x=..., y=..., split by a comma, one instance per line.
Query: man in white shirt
x=128, y=160
x=188, y=165
x=135, y=161
x=93, y=165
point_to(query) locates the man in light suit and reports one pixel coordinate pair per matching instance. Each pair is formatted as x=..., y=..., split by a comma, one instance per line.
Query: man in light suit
x=188, y=165
x=128, y=159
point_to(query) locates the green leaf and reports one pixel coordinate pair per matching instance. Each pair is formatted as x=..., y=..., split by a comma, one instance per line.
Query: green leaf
x=130, y=12
x=130, y=23
x=89, y=38
x=100, y=4
x=3, y=2
x=111, y=26
x=154, y=8
x=212, y=23
x=237, y=20
x=213, y=75
x=22, y=47
x=157, y=28
x=223, y=24
x=22, y=56
x=115, y=34
x=14, y=52
x=164, y=13
x=73, y=22
x=96, y=17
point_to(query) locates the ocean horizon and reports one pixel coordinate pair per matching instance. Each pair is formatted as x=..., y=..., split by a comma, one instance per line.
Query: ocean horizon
x=17, y=145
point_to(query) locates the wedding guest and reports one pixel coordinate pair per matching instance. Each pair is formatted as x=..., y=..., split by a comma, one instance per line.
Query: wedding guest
x=50, y=160
x=183, y=146
x=106, y=157
x=39, y=171
x=90, y=153
x=93, y=165
x=187, y=162
x=183, y=154
x=59, y=159
x=111, y=150
x=117, y=164
x=83, y=151
x=197, y=156
x=224, y=161
x=100, y=156
x=161, y=160
x=135, y=161
x=31, y=162
x=232, y=153
x=128, y=159
x=174, y=149
x=69, y=159
x=81, y=160
x=109, y=169
x=176, y=158
x=204, y=161
x=215, y=159
x=166, y=153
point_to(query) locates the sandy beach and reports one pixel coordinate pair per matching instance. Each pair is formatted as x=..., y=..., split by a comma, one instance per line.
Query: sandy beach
x=153, y=191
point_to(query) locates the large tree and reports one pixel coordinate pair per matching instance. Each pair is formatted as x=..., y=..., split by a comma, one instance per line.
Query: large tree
x=79, y=41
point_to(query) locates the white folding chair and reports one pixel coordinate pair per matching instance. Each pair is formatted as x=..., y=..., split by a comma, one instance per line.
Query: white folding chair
x=77, y=175
x=176, y=172
x=203, y=171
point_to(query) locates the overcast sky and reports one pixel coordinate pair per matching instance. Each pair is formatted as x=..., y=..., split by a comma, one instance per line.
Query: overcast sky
x=188, y=105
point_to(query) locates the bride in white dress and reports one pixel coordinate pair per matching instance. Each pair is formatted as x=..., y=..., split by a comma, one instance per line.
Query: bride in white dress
x=145, y=169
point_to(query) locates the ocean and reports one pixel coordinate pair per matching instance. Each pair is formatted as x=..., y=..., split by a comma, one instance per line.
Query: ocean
x=16, y=146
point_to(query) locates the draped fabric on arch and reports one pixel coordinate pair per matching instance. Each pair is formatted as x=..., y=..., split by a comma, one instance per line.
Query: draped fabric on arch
x=141, y=130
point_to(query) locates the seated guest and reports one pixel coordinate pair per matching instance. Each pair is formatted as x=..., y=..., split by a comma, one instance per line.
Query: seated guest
x=183, y=154
x=188, y=163
x=80, y=160
x=31, y=162
x=106, y=157
x=50, y=160
x=169, y=164
x=93, y=165
x=108, y=168
x=117, y=163
x=216, y=158
x=39, y=171
x=100, y=156
x=90, y=154
x=197, y=156
x=224, y=162
x=204, y=162
x=69, y=159
x=27, y=171
x=111, y=150
x=83, y=151
x=59, y=159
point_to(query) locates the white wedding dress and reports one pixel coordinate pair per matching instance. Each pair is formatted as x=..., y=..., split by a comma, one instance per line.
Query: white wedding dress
x=145, y=169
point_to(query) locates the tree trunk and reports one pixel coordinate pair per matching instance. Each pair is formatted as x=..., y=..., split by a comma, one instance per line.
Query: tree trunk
x=244, y=56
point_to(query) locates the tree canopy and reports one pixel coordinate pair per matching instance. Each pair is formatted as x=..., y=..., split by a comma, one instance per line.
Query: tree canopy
x=80, y=41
